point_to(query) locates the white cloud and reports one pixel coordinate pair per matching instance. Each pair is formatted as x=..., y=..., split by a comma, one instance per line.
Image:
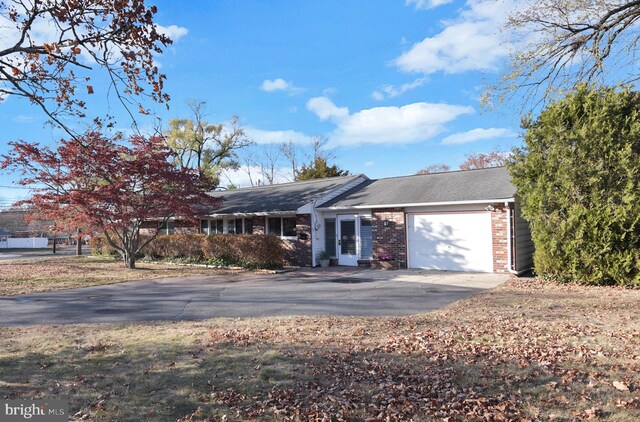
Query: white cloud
x=473, y=41
x=276, y=136
x=326, y=109
x=240, y=177
x=391, y=91
x=174, y=32
x=426, y=4
x=329, y=92
x=386, y=125
x=476, y=135
x=280, y=84
x=369, y=164
x=23, y=118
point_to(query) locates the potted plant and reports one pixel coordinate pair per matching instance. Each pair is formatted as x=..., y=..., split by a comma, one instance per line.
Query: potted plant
x=324, y=258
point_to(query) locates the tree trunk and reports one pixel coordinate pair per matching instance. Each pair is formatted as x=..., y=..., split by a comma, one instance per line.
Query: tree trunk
x=79, y=243
x=129, y=261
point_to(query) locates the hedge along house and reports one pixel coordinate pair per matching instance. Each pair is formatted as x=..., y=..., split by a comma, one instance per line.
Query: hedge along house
x=285, y=210
x=457, y=221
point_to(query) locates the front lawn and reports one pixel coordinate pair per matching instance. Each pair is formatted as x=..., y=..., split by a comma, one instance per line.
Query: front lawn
x=25, y=276
x=523, y=351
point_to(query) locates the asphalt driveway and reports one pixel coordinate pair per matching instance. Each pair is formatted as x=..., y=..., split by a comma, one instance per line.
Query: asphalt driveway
x=311, y=292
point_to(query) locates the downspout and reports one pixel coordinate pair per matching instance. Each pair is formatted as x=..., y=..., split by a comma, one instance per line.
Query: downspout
x=510, y=248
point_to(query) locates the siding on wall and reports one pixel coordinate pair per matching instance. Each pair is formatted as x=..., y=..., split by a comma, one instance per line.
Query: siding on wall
x=366, y=239
x=523, y=242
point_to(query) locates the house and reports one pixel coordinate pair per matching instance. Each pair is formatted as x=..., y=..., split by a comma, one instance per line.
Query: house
x=458, y=221
x=13, y=222
x=18, y=232
x=286, y=210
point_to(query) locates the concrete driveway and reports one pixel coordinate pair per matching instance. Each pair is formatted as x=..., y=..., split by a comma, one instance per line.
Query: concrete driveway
x=336, y=291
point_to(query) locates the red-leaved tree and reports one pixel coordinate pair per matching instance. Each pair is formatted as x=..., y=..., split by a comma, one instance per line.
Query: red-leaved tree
x=108, y=187
x=482, y=161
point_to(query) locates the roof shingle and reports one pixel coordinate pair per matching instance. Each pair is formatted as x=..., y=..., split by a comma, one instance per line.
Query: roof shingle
x=454, y=186
x=285, y=197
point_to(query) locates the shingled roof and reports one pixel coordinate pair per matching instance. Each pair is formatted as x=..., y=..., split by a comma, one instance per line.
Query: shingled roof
x=13, y=222
x=455, y=186
x=285, y=197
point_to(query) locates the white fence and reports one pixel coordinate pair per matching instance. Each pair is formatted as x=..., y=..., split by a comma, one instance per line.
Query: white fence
x=25, y=242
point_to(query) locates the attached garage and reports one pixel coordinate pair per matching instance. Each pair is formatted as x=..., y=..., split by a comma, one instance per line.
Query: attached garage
x=455, y=221
x=452, y=241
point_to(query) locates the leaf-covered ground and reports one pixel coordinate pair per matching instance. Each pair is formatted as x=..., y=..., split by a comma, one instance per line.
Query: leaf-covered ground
x=26, y=276
x=524, y=351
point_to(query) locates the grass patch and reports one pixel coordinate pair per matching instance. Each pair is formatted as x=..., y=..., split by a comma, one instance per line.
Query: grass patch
x=522, y=351
x=25, y=276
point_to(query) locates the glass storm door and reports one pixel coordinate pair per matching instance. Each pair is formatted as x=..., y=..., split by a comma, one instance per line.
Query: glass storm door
x=348, y=240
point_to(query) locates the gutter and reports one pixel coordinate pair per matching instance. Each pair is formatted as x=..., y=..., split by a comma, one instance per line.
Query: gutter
x=419, y=204
x=509, y=244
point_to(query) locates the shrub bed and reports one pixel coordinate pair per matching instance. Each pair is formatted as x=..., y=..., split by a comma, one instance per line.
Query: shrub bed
x=247, y=250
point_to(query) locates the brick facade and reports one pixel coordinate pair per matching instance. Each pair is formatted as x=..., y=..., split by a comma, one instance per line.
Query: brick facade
x=298, y=252
x=391, y=238
x=259, y=224
x=180, y=227
x=499, y=238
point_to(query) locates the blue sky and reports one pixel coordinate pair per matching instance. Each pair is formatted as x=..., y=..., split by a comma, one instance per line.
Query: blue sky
x=393, y=85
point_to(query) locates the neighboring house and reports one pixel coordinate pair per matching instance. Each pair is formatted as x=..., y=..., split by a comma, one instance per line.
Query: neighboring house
x=458, y=221
x=16, y=231
x=13, y=222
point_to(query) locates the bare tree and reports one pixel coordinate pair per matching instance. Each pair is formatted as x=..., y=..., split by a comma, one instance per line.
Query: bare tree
x=434, y=168
x=263, y=164
x=562, y=43
x=290, y=152
x=482, y=160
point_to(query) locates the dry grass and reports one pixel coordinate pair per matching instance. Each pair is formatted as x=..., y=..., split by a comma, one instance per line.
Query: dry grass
x=24, y=276
x=526, y=351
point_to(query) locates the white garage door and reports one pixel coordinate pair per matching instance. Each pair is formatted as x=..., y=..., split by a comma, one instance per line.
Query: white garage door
x=456, y=241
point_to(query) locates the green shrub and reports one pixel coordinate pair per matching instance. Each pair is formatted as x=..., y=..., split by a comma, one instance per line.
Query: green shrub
x=175, y=246
x=100, y=247
x=247, y=250
x=578, y=182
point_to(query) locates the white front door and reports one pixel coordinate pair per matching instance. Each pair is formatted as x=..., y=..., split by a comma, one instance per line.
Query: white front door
x=348, y=236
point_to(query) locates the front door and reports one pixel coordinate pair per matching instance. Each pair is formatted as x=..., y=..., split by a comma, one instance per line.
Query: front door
x=348, y=240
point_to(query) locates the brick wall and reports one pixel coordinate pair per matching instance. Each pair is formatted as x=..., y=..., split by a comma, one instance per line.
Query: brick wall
x=180, y=227
x=391, y=238
x=259, y=225
x=298, y=252
x=186, y=227
x=499, y=238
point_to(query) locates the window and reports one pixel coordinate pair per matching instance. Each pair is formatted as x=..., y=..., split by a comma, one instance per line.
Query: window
x=204, y=226
x=166, y=228
x=239, y=225
x=289, y=226
x=248, y=225
x=275, y=226
x=282, y=226
x=211, y=226
x=366, y=239
x=234, y=226
x=330, y=236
